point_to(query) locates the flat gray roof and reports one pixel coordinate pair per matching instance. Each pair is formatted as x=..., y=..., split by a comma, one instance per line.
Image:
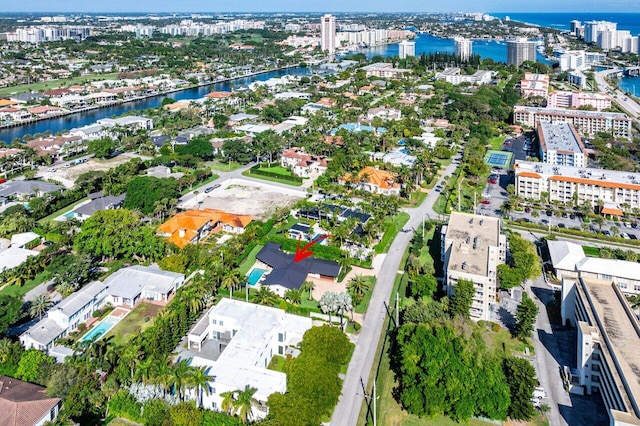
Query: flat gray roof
x=559, y=137
x=472, y=236
x=129, y=282
x=77, y=300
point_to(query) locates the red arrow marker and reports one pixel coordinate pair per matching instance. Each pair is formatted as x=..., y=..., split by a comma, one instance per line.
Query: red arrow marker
x=305, y=252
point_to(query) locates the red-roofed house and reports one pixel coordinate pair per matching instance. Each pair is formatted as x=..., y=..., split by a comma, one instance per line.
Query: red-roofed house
x=303, y=164
x=25, y=404
x=374, y=180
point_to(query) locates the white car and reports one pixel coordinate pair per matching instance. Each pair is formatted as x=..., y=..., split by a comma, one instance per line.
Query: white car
x=51, y=169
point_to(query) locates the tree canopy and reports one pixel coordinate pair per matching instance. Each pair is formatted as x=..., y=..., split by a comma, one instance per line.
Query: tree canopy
x=143, y=192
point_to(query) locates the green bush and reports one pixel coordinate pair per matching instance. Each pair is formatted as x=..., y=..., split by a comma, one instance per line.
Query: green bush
x=255, y=170
x=123, y=404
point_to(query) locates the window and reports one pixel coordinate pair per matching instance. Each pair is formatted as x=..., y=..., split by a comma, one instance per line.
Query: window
x=280, y=350
x=214, y=405
x=214, y=322
x=280, y=337
x=221, y=322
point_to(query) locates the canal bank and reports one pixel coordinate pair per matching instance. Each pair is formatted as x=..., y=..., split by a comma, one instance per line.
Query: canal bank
x=86, y=116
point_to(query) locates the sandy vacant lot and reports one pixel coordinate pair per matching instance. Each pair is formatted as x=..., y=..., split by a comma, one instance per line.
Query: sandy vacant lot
x=244, y=197
x=69, y=175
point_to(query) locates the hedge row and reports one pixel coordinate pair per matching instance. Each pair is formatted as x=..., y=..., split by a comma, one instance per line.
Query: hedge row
x=257, y=171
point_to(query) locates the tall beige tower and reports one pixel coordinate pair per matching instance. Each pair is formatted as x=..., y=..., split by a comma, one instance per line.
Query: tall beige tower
x=328, y=34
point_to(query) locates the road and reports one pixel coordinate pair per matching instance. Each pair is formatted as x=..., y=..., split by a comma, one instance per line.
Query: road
x=621, y=98
x=348, y=409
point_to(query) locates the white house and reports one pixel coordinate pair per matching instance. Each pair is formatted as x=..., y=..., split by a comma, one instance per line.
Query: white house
x=128, y=286
x=236, y=341
x=303, y=164
x=65, y=317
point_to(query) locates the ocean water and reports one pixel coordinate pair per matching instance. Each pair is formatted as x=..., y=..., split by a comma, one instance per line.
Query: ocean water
x=562, y=21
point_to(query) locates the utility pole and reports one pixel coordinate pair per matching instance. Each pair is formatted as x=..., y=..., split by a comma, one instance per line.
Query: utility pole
x=459, y=208
x=397, y=310
x=375, y=413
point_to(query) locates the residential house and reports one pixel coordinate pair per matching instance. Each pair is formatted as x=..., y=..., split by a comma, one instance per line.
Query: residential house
x=374, y=180
x=23, y=189
x=384, y=113
x=195, y=225
x=131, y=122
x=24, y=239
x=236, y=341
x=288, y=274
x=303, y=164
x=108, y=202
x=128, y=286
x=66, y=316
x=14, y=256
x=91, y=132
x=26, y=404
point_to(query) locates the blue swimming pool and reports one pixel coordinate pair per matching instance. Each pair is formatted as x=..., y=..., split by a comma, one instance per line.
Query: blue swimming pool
x=255, y=276
x=100, y=329
x=69, y=215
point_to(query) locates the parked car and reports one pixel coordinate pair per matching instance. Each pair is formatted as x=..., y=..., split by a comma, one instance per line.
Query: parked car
x=562, y=225
x=633, y=236
x=549, y=213
x=527, y=209
x=51, y=169
x=572, y=216
x=208, y=189
x=485, y=202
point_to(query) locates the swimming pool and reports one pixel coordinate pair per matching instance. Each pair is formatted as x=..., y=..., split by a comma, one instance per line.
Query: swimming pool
x=100, y=329
x=255, y=276
x=69, y=215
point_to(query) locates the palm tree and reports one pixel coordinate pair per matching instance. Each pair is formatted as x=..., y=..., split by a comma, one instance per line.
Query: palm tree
x=179, y=375
x=328, y=304
x=230, y=281
x=39, y=306
x=199, y=379
x=308, y=286
x=244, y=403
x=344, y=304
x=264, y=296
x=293, y=296
x=227, y=401
x=359, y=285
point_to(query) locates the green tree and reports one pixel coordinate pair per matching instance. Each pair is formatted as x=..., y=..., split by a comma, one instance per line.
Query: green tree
x=462, y=299
x=526, y=315
x=34, y=366
x=244, y=403
x=39, y=306
x=358, y=286
x=264, y=296
x=329, y=341
x=293, y=295
x=198, y=147
x=103, y=147
x=144, y=191
x=522, y=382
x=9, y=311
x=290, y=410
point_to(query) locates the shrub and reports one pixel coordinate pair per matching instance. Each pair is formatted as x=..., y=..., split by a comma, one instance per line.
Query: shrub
x=82, y=326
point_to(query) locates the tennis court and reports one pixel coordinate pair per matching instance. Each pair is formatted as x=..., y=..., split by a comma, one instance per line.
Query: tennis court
x=500, y=159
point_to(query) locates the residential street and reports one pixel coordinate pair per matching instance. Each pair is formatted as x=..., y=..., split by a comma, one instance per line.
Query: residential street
x=348, y=409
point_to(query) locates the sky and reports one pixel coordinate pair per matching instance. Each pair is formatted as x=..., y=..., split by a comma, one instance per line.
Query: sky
x=487, y=6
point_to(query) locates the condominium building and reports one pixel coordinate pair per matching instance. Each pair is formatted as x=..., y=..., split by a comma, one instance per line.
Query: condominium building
x=236, y=341
x=328, y=34
x=463, y=48
x=560, y=145
x=455, y=76
x=520, y=50
x=534, y=85
x=472, y=248
x=592, y=28
x=406, y=48
x=385, y=70
x=566, y=99
x=617, y=190
x=586, y=122
x=607, y=346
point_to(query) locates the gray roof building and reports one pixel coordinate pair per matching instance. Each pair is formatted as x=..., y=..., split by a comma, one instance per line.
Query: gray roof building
x=27, y=187
x=97, y=204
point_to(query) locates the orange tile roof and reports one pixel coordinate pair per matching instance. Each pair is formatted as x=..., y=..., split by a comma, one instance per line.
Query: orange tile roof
x=529, y=174
x=219, y=95
x=602, y=183
x=612, y=210
x=380, y=178
x=7, y=102
x=191, y=221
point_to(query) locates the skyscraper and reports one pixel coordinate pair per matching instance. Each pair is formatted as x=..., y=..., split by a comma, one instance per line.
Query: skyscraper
x=328, y=34
x=520, y=50
x=592, y=28
x=406, y=48
x=463, y=48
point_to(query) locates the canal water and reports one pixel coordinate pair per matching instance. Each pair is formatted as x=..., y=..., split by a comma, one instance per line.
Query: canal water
x=80, y=119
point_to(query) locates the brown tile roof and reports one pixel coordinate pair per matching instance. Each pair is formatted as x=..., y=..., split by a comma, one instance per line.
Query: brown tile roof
x=191, y=221
x=22, y=403
x=380, y=178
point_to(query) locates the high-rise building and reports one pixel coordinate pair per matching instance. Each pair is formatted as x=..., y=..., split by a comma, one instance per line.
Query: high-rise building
x=463, y=48
x=406, y=48
x=520, y=50
x=328, y=34
x=473, y=247
x=576, y=26
x=592, y=28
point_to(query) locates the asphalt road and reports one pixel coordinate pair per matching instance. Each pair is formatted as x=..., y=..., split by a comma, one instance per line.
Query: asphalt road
x=621, y=98
x=348, y=409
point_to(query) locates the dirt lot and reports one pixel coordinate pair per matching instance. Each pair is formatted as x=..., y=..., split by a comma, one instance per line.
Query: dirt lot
x=69, y=175
x=243, y=197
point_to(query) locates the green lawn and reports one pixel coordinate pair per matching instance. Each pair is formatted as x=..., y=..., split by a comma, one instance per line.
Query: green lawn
x=250, y=260
x=62, y=211
x=219, y=166
x=13, y=290
x=134, y=323
x=43, y=86
x=361, y=308
x=271, y=179
x=591, y=251
x=496, y=142
x=276, y=169
x=393, y=225
x=277, y=363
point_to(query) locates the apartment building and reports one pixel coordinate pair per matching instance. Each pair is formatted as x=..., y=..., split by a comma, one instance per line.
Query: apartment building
x=328, y=34
x=455, y=77
x=607, y=346
x=520, y=50
x=586, y=122
x=534, y=85
x=560, y=145
x=472, y=248
x=463, y=48
x=236, y=341
x=620, y=190
x=565, y=99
